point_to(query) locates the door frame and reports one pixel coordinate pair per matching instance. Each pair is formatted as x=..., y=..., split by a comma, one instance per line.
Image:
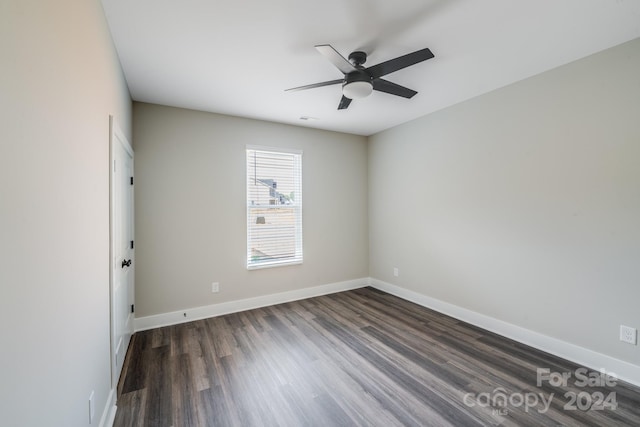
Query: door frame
x=116, y=137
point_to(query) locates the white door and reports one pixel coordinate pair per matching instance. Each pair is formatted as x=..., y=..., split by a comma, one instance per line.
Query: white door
x=122, y=249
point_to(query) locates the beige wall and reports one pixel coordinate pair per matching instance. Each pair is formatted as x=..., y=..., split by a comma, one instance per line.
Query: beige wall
x=522, y=204
x=60, y=80
x=191, y=208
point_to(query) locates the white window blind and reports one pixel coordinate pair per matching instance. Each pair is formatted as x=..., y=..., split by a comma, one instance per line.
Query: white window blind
x=274, y=207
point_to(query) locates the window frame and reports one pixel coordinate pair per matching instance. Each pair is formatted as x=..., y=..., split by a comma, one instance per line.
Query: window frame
x=296, y=207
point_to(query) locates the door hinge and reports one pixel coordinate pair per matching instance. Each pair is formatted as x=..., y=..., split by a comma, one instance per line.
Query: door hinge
x=131, y=180
x=133, y=308
x=132, y=244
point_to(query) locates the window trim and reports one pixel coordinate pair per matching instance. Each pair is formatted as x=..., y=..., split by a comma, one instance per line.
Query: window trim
x=297, y=207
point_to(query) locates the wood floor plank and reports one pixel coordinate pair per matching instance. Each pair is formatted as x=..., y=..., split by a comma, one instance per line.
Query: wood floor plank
x=134, y=375
x=135, y=401
x=160, y=401
x=356, y=358
x=183, y=392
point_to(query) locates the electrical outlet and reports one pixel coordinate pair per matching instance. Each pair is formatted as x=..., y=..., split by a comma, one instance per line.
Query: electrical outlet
x=215, y=287
x=628, y=334
x=92, y=408
x=396, y=272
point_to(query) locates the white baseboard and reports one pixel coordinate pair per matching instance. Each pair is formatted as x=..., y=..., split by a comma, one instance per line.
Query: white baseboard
x=197, y=313
x=624, y=371
x=109, y=412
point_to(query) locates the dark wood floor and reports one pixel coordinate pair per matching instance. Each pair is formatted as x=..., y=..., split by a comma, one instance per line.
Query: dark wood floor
x=361, y=357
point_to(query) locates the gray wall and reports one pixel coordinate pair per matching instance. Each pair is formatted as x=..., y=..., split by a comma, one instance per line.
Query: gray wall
x=60, y=80
x=191, y=208
x=522, y=204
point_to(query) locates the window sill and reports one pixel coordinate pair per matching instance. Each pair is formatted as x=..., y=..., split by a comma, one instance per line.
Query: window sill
x=260, y=266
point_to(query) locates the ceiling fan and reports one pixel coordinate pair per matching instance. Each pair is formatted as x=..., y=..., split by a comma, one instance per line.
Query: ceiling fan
x=359, y=82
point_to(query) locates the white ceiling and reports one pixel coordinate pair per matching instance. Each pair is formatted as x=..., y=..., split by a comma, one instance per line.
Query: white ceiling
x=238, y=57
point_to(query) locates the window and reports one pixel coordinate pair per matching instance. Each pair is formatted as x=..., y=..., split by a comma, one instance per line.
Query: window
x=274, y=207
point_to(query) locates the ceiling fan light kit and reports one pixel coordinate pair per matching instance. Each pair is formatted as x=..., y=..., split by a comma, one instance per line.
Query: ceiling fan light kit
x=357, y=89
x=359, y=82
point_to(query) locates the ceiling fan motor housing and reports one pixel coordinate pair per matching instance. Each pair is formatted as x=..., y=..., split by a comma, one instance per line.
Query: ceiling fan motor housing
x=358, y=58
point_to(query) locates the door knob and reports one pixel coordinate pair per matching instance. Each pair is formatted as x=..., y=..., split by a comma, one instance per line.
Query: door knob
x=126, y=263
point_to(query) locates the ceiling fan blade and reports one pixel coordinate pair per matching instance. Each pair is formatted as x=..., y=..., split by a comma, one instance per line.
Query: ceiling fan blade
x=392, y=88
x=344, y=103
x=314, y=85
x=399, y=63
x=336, y=59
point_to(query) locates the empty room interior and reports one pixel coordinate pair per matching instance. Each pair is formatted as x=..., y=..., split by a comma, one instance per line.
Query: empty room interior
x=217, y=213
